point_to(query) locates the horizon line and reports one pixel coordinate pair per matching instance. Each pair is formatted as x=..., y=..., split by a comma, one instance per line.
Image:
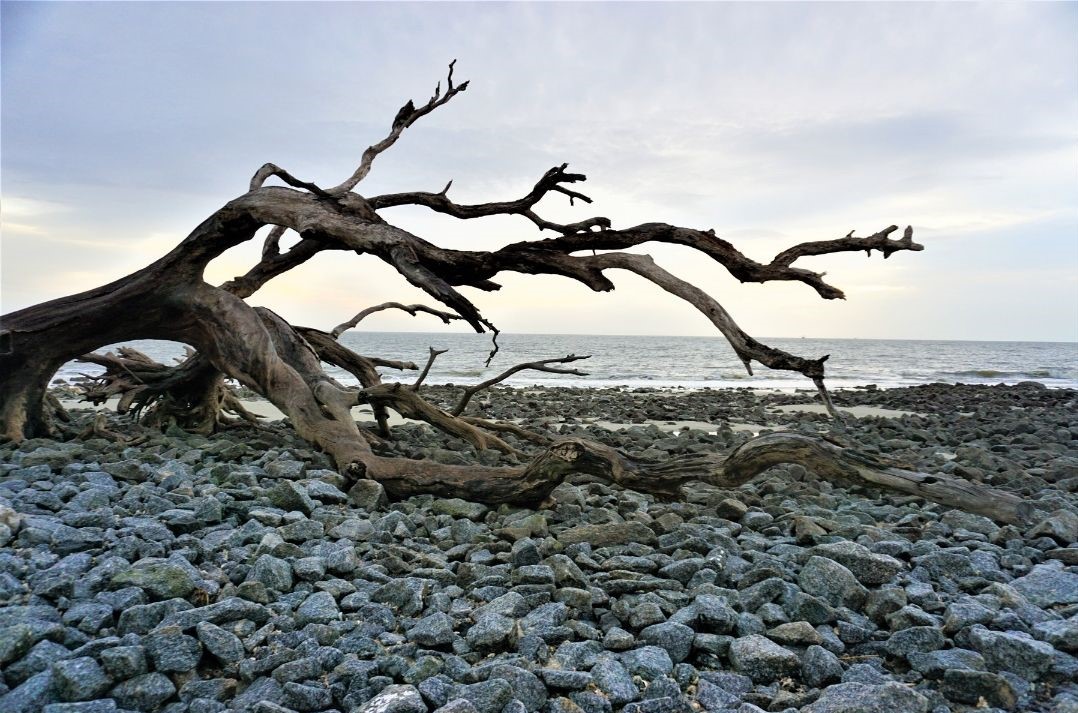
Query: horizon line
x=716, y=336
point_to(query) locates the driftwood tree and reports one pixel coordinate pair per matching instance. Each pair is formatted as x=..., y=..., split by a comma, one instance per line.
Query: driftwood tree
x=169, y=299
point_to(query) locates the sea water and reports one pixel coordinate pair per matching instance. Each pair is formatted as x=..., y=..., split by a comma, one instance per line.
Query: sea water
x=693, y=362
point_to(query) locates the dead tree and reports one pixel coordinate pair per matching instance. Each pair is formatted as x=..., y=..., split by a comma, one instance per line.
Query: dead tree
x=169, y=299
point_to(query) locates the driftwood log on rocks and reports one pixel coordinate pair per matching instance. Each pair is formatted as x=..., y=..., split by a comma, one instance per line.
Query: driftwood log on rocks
x=169, y=299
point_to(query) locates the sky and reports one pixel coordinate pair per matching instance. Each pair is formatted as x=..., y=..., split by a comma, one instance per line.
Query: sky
x=124, y=125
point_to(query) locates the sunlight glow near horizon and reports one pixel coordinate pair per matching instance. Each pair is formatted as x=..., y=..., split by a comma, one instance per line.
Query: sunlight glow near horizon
x=125, y=125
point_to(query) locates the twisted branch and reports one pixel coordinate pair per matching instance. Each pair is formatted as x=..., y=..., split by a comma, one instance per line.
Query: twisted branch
x=543, y=365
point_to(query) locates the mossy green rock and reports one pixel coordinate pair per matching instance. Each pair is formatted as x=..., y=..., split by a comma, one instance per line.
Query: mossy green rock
x=163, y=580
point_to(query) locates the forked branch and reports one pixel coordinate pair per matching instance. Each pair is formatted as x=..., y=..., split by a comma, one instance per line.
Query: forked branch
x=543, y=365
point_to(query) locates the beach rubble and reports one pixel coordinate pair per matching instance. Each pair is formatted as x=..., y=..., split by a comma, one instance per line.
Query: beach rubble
x=239, y=572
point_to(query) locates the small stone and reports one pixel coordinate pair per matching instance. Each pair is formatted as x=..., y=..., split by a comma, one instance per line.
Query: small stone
x=648, y=662
x=1062, y=525
x=832, y=582
x=675, y=638
x=491, y=632
x=715, y=698
x=395, y=699
x=971, y=686
x=609, y=534
x=1062, y=634
x=890, y=697
x=730, y=509
x=763, y=660
x=565, y=680
x=101, y=705
x=820, y=667
x=145, y=692
x=935, y=663
x=617, y=639
x=527, y=688
x=455, y=507
x=318, y=608
x=797, y=633
x=15, y=641
x=867, y=566
x=489, y=696
x=368, y=494
x=124, y=662
x=614, y=680
x=162, y=579
x=434, y=630
x=172, y=651
x=1012, y=651
x=524, y=553
x=458, y=705
x=273, y=572
x=1048, y=585
x=225, y=645
x=311, y=569
x=916, y=639
x=304, y=697
x=79, y=679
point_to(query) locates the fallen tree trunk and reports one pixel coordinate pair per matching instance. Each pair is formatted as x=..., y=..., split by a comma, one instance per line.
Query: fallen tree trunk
x=169, y=299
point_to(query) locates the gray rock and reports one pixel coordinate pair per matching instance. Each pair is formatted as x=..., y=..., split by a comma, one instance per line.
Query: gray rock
x=491, y=632
x=648, y=662
x=867, y=566
x=79, y=679
x=715, y=698
x=533, y=574
x=935, y=663
x=311, y=569
x=1048, y=585
x=318, y=608
x=966, y=686
x=609, y=534
x=458, y=705
x=455, y=507
x=675, y=638
x=1061, y=525
x=225, y=645
x=433, y=630
x=617, y=639
x=172, y=651
x=527, y=688
x=863, y=698
x=145, y=692
x=916, y=639
x=273, y=572
x=395, y=699
x=368, y=494
x=614, y=680
x=1062, y=634
x=1013, y=651
x=30, y=696
x=796, y=633
x=488, y=696
x=762, y=660
x=303, y=697
x=101, y=705
x=124, y=662
x=820, y=667
x=832, y=582
x=565, y=680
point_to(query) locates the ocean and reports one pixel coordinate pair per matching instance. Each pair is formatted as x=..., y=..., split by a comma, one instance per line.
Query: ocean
x=696, y=362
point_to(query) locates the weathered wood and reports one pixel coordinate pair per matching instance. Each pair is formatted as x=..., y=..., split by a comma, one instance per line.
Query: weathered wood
x=169, y=299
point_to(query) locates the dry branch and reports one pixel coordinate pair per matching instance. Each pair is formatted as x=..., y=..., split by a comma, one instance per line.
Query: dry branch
x=413, y=310
x=543, y=365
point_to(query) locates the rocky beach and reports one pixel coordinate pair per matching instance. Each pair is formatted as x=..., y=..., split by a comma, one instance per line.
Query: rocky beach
x=239, y=572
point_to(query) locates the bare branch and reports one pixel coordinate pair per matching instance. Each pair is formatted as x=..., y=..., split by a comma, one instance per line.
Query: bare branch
x=271, y=169
x=552, y=180
x=878, y=241
x=413, y=310
x=543, y=365
x=426, y=369
x=407, y=116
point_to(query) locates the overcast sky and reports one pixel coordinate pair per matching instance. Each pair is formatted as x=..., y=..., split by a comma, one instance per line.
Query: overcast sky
x=125, y=124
